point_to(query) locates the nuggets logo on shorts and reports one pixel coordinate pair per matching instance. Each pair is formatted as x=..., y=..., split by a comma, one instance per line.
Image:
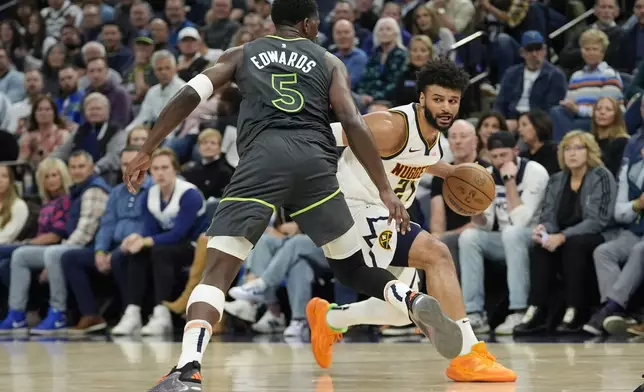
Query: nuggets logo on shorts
x=384, y=238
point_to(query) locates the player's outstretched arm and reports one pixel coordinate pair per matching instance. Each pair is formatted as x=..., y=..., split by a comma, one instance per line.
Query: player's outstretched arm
x=198, y=89
x=361, y=140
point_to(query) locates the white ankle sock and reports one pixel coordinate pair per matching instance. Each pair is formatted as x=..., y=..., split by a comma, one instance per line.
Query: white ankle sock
x=196, y=336
x=371, y=311
x=395, y=293
x=469, y=339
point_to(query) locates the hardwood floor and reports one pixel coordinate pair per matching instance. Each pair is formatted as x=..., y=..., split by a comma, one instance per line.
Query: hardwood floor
x=127, y=365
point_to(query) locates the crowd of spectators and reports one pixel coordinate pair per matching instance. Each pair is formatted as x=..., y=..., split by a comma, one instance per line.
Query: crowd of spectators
x=82, y=83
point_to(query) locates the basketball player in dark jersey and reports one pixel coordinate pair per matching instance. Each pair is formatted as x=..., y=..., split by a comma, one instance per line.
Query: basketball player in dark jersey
x=287, y=160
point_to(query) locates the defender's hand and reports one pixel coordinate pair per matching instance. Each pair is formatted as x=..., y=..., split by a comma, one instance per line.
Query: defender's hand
x=397, y=211
x=135, y=171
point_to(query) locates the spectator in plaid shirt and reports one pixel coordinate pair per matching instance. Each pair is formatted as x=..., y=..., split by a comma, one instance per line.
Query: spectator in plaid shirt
x=123, y=216
x=88, y=199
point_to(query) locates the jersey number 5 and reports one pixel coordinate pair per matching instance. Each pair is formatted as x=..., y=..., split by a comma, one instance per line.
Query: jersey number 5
x=290, y=100
x=402, y=188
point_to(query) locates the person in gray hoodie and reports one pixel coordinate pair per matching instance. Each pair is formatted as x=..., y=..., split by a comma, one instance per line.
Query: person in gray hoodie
x=577, y=209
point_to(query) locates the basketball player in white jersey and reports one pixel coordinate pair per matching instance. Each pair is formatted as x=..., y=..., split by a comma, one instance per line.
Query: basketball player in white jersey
x=407, y=138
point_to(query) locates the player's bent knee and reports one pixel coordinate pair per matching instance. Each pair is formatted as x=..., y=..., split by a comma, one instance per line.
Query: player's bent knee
x=443, y=255
x=343, y=246
x=433, y=253
x=239, y=247
x=211, y=295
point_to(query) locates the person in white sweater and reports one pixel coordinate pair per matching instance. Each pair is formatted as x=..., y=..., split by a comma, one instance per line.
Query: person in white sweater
x=13, y=210
x=503, y=233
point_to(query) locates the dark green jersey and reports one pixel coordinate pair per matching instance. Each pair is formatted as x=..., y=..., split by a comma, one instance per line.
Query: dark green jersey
x=285, y=86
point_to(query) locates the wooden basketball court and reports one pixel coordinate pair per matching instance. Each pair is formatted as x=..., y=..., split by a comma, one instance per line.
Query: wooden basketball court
x=130, y=365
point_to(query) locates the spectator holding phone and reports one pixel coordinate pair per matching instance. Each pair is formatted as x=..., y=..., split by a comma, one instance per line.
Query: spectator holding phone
x=577, y=208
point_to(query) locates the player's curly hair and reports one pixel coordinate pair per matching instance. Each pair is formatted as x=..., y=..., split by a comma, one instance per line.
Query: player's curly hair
x=291, y=12
x=444, y=73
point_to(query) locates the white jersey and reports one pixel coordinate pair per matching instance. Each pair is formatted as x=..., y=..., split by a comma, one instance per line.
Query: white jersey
x=404, y=168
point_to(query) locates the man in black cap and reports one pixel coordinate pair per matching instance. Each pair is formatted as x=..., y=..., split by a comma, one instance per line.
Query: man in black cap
x=503, y=233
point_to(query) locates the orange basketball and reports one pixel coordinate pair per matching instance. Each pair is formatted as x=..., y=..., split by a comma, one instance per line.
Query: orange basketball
x=469, y=190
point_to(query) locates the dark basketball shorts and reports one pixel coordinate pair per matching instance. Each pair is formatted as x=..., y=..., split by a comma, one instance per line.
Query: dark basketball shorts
x=284, y=169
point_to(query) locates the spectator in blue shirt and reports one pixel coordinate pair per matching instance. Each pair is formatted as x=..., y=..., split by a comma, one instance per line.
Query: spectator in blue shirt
x=123, y=216
x=12, y=82
x=174, y=215
x=119, y=57
x=70, y=101
x=175, y=13
x=354, y=58
x=537, y=84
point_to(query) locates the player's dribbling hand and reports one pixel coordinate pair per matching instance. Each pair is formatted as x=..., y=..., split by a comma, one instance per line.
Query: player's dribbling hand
x=397, y=211
x=135, y=171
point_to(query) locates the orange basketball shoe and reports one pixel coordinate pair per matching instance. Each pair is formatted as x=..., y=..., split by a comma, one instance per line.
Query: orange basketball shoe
x=322, y=335
x=479, y=366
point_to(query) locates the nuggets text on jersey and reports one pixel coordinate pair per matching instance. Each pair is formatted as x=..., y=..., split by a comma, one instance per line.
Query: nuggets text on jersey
x=408, y=172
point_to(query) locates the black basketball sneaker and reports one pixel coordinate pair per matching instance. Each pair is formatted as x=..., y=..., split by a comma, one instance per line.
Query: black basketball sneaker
x=186, y=379
x=426, y=313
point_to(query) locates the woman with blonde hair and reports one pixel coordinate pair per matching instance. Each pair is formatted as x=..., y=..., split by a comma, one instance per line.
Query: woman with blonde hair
x=427, y=22
x=421, y=50
x=577, y=208
x=586, y=86
x=53, y=181
x=609, y=129
x=385, y=65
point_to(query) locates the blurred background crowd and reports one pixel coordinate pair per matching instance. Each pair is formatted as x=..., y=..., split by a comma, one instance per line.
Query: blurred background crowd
x=555, y=104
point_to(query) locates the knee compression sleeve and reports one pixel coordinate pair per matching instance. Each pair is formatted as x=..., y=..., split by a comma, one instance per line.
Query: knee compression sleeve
x=354, y=273
x=239, y=247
